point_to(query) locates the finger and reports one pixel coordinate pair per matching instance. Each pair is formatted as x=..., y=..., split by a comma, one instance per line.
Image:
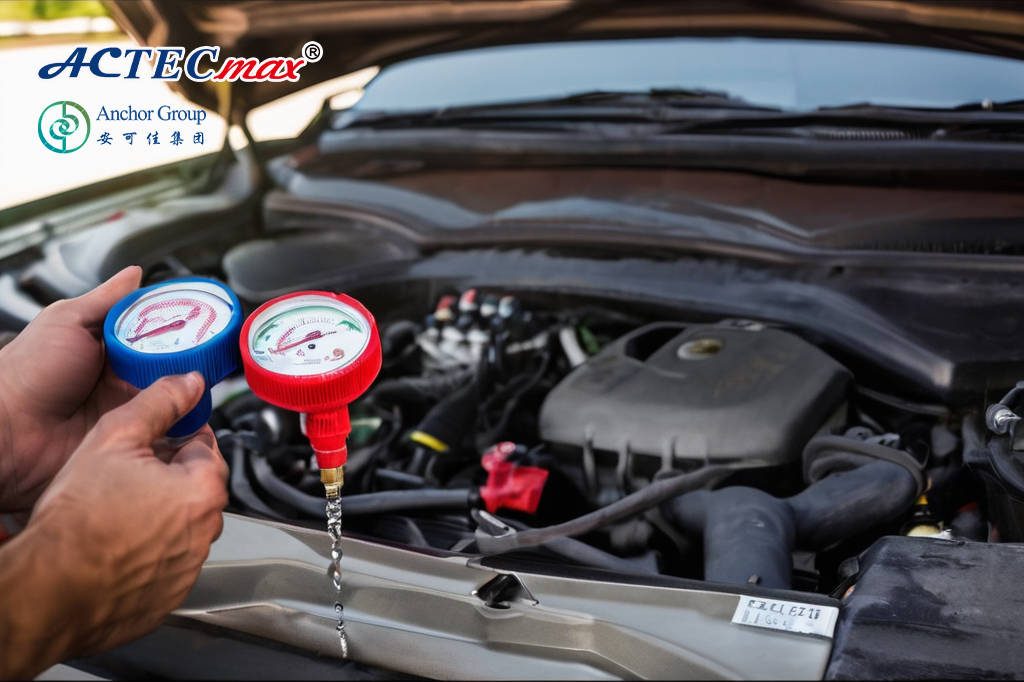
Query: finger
x=165, y=452
x=201, y=455
x=155, y=409
x=112, y=391
x=205, y=436
x=207, y=474
x=92, y=306
x=218, y=520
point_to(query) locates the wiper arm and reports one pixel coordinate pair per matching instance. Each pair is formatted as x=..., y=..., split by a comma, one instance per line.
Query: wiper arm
x=1010, y=105
x=989, y=105
x=874, y=118
x=672, y=97
x=653, y=105
x=685, y=111
x=982, y=108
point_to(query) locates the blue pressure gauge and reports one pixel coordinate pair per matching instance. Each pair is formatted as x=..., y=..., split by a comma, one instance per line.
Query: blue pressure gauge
x=174, y=327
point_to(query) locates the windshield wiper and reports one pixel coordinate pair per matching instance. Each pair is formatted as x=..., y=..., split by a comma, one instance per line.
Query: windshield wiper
x=1009, y=105
x=869, y=121
x=708, y=112
x=655, y=105
x=983, y=109
x=672, y=97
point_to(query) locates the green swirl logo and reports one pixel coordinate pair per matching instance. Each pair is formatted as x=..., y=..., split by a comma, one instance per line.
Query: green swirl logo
x=64, y=127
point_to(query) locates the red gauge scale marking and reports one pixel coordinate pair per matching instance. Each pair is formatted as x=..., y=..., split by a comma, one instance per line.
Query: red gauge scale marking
x=196, y=308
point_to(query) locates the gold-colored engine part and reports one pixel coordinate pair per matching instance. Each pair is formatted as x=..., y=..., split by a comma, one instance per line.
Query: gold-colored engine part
x=925, y=530
x=921, y=523
x=333, y=479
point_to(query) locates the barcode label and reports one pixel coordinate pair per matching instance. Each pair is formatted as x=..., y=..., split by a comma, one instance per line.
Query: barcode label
x=788, y=616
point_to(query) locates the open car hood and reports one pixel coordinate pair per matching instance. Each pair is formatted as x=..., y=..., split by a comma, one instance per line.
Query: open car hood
x=361, y=33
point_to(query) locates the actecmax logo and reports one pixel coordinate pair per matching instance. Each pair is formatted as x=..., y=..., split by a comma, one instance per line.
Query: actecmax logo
x=172, y=63
x=63, y=127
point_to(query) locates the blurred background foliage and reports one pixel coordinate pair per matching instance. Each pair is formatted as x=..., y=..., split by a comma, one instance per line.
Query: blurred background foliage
x=42, y=10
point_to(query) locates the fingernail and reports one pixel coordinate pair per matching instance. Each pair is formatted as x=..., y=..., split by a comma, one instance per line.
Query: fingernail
x=122, y=271
x=195, y=379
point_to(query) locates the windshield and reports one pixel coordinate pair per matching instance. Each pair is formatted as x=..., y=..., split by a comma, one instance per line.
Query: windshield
x=790, y=74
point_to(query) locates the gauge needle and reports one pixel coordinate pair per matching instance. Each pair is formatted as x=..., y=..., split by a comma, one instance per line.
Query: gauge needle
x=177, y=324
x=312, y=336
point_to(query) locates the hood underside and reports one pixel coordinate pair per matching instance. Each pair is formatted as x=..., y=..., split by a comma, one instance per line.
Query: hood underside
x=361, y=33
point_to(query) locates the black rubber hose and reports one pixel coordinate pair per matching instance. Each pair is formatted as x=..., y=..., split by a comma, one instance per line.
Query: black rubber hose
x=630, y=505
x=429, y=389
x=828, y=454
x=436, y=499
x=240, y=486
x=453, y=418
x=995, y=459
x=755, y=526
x=588, y=555
x=362, y=504
x=749, y=535
x=845, y=504
x=397, y=335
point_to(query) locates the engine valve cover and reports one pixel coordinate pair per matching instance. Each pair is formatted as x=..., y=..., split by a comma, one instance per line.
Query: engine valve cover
x=749, y=395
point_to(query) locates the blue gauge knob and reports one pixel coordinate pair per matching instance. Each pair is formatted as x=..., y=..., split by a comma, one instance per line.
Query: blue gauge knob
x=175, y=327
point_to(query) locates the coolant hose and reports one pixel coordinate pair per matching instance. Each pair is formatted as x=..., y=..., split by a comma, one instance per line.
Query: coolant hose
x=365, y=503
x=630, y=505
x=240, y=487
x=828, y=454
x=845, y=504
x=749, y=535
x=428, y=389
x=588, y=555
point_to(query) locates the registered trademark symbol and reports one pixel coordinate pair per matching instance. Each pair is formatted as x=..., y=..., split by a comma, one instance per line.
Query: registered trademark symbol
x=312, y=51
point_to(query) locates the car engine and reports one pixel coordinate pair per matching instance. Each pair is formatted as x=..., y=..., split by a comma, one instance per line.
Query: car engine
x=731, y=450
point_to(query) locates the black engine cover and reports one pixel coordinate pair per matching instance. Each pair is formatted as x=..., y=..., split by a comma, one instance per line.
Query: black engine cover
x=748, y=395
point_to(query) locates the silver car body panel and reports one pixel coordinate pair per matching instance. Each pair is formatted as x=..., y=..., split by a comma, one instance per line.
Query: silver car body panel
x=416, y=613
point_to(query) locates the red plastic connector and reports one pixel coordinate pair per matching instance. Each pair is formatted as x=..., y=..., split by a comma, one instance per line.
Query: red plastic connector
x=510, y=485
x=327, y=433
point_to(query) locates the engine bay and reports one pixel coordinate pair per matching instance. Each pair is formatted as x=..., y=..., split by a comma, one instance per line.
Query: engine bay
x=566, y=403
x=732, y=451
x=576, y=409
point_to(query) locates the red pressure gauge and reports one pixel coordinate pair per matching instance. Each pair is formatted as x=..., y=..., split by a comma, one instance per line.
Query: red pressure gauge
x=313, y=352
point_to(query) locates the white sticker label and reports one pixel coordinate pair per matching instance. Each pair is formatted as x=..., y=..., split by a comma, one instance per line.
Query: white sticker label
x=788, y=616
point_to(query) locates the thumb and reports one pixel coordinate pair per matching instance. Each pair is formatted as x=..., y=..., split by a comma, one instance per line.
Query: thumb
x=155, y=409
x=92, y=306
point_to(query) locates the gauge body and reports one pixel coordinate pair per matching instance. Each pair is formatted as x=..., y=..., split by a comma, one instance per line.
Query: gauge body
x=313, y=352
x=174, y=327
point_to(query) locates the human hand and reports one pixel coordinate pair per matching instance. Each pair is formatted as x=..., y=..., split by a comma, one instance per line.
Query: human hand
x=118, y=539
x=53, y=389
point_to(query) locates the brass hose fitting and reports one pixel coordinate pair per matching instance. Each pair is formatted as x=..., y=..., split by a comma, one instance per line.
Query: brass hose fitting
x=333, y=479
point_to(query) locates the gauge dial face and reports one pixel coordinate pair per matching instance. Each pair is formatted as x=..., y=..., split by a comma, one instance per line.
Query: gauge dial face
x=308, y=335
x=174, y=318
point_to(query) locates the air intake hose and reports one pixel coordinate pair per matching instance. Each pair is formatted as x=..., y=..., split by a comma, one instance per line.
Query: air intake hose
x=749, y=535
